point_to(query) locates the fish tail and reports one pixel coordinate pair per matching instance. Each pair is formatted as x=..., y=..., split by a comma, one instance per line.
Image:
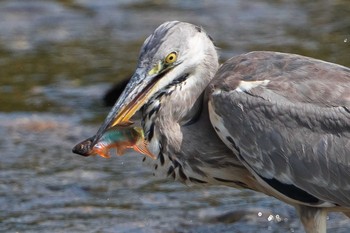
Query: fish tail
x=139, y=130
x=141, y=147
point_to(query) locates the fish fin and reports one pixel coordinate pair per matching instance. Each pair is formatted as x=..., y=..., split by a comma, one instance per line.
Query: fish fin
x=104, y=155
x=120, y=151
x=101, y=152
x=142, y=148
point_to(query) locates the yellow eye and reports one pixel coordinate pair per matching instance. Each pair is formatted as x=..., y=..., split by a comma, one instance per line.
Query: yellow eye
x=171, y=58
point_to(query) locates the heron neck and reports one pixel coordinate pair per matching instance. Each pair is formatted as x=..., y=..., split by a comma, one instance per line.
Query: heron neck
x=178, y=128
x=193, y=153
x=185, y=100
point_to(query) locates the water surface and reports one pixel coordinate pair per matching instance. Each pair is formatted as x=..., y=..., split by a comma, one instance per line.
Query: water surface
x=58, y=57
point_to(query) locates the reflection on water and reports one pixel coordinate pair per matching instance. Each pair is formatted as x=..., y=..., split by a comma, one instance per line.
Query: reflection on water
x=58, y=57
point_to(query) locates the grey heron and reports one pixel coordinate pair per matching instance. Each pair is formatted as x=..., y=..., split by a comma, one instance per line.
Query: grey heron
x=272, y=122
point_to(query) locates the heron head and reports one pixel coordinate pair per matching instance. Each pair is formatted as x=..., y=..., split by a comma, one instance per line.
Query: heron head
x=174, y=50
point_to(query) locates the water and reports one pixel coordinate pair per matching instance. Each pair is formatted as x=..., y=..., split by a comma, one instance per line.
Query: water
x=57, y=58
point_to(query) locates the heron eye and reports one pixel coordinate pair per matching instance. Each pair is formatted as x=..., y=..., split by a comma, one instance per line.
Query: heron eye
x=171, y=58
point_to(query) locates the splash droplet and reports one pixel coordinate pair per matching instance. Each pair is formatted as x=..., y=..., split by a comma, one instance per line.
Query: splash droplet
x=259, y=214
x=278, y=218
x=345, y=40
x=270, y=218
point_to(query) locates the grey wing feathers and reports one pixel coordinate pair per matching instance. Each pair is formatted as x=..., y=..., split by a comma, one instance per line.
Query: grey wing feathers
x=296, y=127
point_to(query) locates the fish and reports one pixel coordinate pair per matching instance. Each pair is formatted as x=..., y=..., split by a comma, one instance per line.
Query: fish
x=120, y=137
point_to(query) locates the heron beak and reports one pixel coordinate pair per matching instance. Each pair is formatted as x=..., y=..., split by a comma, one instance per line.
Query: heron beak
x=138, y=91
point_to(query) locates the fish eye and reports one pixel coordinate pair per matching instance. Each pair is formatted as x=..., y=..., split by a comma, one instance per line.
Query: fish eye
x=171, y=58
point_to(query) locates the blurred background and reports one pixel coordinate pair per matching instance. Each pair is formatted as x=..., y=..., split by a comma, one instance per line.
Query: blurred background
x=57, y=60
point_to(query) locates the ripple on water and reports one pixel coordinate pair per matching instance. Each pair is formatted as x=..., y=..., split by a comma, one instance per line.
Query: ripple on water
x=53, y=57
